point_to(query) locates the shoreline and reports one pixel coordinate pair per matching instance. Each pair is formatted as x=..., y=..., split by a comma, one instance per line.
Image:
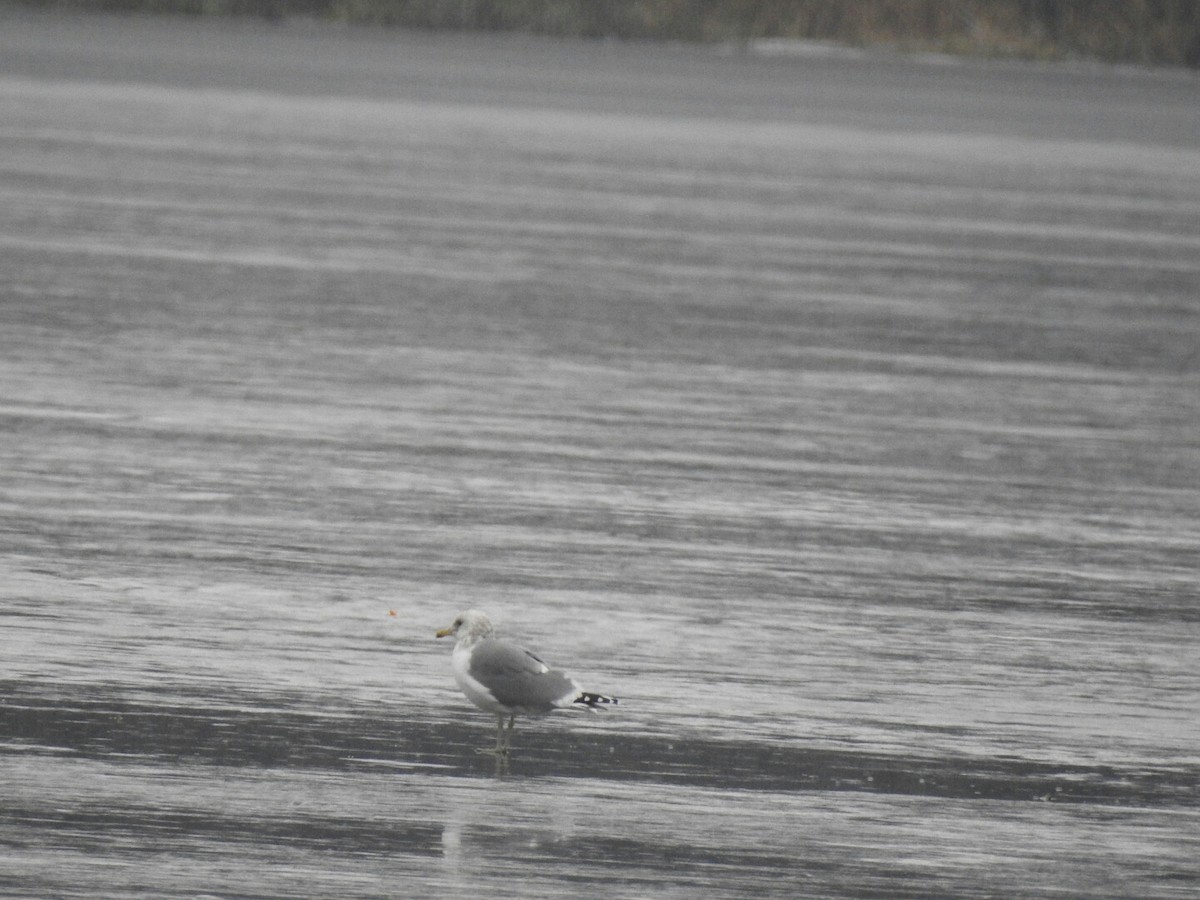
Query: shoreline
x=1166, y=39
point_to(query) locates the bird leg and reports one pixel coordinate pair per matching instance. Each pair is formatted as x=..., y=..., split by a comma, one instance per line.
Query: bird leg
x=512, y=721
x=499, y=749
x=503, y=738
x=501, y=746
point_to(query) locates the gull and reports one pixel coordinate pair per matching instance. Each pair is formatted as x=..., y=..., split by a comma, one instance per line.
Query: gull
x=507, y=680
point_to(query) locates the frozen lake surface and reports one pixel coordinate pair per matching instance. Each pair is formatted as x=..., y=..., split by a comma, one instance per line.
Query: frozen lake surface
x=839, y=414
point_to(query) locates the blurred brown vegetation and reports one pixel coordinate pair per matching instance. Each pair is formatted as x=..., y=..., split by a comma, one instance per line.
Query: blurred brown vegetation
x=1141, y=31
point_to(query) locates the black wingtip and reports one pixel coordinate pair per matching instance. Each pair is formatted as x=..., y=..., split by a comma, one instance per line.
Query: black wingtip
x=595, y=701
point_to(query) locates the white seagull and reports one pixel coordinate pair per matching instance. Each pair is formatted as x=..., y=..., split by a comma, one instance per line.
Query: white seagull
x=507, y=680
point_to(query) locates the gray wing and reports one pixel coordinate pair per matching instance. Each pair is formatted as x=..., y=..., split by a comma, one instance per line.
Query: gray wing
x=518, y=679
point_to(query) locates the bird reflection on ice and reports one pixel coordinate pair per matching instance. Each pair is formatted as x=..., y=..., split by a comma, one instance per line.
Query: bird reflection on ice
x=495, y=825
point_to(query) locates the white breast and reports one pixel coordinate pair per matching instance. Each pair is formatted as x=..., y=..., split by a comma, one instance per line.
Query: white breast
x=460, y=661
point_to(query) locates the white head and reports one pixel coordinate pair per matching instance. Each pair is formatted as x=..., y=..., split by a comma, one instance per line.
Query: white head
x=468, y=627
